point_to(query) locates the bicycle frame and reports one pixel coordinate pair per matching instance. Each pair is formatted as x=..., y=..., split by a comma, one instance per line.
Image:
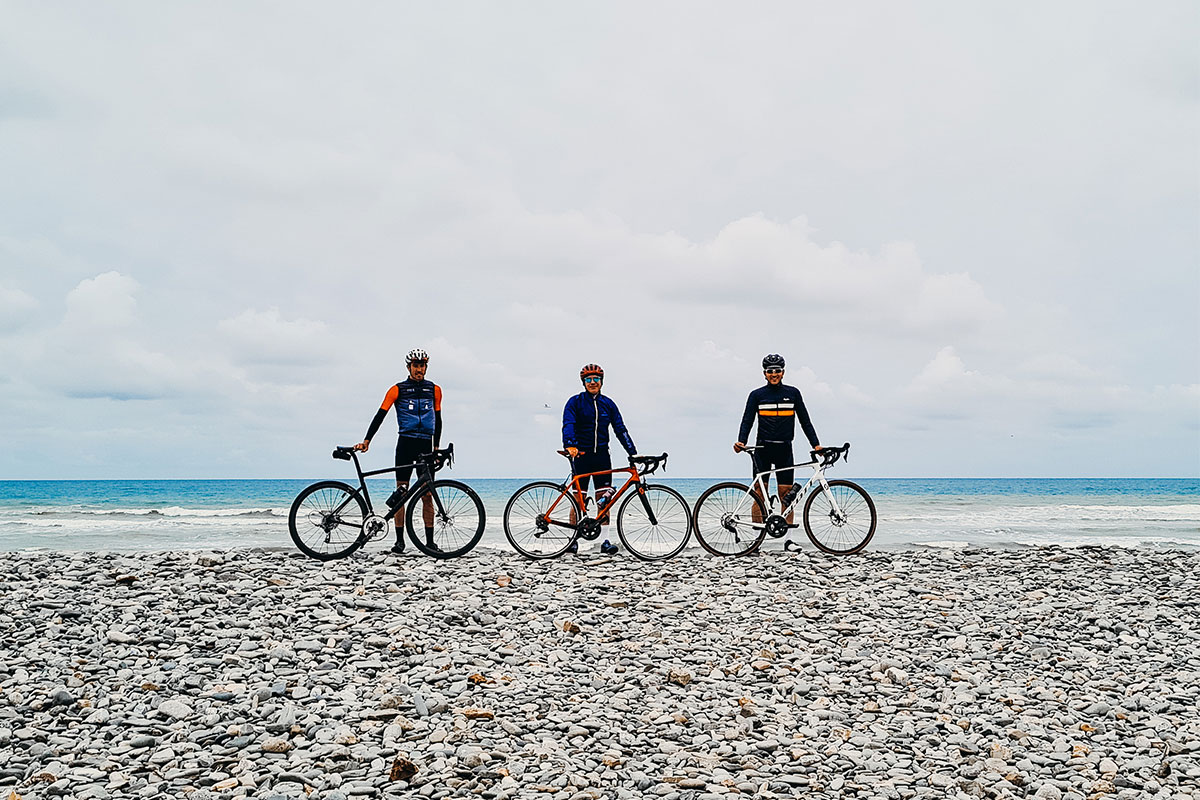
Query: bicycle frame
x=424, y=477
x=759, y=486
x=573, y=486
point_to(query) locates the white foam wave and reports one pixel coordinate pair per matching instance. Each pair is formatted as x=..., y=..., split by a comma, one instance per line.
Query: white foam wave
x=165, y=511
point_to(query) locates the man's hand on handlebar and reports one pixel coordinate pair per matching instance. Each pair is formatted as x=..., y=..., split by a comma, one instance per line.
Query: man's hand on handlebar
x=363, y=446
x=739, y=447
x=573, y=452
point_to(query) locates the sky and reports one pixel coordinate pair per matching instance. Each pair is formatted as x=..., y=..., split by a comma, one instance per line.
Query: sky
x=973, y=231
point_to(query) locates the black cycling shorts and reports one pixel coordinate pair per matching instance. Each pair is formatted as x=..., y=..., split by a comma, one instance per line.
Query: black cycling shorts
x=592, y=462
x=407, y=450
x=773, y=455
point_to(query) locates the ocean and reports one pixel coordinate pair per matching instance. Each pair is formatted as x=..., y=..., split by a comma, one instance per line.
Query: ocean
x=919, y=512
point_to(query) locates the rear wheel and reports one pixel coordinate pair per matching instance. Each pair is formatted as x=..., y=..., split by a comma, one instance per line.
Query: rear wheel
x=539, y=520
x=457, y=526
x=326, y=520
x=654, y=522
x=840, y=520
x=725, y=520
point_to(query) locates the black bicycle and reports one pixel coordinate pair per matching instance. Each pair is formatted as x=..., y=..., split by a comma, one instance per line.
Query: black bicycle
x=332, y=519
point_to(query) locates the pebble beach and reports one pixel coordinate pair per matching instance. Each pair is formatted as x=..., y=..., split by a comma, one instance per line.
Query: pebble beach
x=1033, y=672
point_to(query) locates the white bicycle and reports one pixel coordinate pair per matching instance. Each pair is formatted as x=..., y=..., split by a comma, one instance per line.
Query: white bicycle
x=732, y=519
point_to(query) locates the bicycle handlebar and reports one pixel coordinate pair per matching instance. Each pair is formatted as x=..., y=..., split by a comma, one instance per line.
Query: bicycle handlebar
x=649, y=464
x=436, y=459
x=828, y=456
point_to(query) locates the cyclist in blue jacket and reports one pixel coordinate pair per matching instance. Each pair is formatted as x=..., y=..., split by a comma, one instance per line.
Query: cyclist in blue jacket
x=586, y=420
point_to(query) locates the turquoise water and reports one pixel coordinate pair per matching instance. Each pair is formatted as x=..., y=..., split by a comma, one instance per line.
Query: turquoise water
x=188, y=515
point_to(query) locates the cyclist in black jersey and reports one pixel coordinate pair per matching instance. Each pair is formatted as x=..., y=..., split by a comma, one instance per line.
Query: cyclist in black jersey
x=776, y=406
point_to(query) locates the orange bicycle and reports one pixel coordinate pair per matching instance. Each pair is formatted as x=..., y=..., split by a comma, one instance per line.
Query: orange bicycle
x=543, y=519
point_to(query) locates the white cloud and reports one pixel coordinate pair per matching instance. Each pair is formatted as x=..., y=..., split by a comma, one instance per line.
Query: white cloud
x=939, y=241
x=106, y=302
x=266, y=337
x=16, y=309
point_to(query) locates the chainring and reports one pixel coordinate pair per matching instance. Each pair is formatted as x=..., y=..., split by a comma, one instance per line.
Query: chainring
x=589, y=529
x=375, y=527
x=776, y=526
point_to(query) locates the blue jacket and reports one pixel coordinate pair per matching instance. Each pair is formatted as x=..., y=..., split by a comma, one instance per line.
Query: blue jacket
x=580, y=428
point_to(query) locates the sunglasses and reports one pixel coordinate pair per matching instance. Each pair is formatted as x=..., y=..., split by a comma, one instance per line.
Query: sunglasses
x=593, y=380
x=773, y=371
x=418, y=363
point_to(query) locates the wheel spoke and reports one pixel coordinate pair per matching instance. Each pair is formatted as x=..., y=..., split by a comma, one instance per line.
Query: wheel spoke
x=666, y=535
x=457, y=526
x=326, y=520
x=530, y=525
x=729, y=520
x=840, y=519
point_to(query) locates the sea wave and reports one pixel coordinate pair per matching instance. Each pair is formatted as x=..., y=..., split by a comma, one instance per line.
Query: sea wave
x=165, y=511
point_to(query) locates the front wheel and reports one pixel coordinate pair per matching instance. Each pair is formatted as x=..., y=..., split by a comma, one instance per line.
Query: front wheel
x=540, y=519
x=326, y=520
x=841, y=519
x=729, y=520
x=457, y=516
x=654, y=522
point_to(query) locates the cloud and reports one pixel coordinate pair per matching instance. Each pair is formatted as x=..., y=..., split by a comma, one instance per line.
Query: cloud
x=948, y=249
x=103, y=303
x=267, y=338
x=99, y=349
x=16, y=309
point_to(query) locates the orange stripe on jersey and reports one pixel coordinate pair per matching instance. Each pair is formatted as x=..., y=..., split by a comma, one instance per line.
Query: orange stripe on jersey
x=437, y=397
x=787, y=412
x=390, y=398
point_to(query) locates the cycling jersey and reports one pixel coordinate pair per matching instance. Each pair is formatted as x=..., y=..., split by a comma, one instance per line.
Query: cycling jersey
x=776, y=408
x=416, y=404
x=418, y=407
x=586, y=419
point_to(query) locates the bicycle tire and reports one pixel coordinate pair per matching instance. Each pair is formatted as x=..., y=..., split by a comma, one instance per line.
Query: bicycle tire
x=856, y=525
x=320, y=533
x=667, y=535
x=521, y=520
x=458, y=530
x=723, y=530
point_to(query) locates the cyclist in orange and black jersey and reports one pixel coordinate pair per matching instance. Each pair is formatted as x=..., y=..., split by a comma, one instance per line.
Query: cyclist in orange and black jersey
x=776, y=406
x=418, y=405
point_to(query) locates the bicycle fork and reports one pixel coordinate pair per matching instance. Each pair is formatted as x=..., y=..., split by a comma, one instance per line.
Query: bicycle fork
x=836, y=515
x=641, y=490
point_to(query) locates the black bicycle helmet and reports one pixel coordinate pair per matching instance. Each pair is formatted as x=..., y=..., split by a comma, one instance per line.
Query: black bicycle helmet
x=773, y=361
